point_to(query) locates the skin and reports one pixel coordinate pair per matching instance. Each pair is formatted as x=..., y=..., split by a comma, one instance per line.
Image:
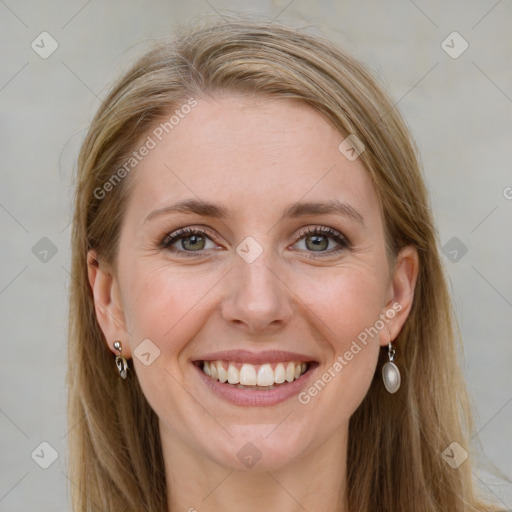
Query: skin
x=254, y=157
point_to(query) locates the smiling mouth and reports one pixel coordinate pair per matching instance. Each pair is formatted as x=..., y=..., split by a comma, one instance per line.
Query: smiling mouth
x=256, y=377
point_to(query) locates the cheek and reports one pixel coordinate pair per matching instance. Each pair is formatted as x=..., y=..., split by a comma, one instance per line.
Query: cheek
x=164, y=304
x=346, y=301
x=347, y=306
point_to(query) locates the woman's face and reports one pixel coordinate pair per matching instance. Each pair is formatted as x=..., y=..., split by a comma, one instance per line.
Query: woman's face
x=268, y=280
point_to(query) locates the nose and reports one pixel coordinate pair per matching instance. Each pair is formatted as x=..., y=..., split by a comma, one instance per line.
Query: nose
x=258, y=300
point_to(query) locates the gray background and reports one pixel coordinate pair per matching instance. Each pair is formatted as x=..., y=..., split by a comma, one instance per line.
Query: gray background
x=459, y=110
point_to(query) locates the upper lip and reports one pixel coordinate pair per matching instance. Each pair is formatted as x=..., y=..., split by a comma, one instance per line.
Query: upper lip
x=245, y=356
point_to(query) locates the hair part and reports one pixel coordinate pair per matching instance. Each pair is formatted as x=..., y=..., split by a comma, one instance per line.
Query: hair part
x=395, y=442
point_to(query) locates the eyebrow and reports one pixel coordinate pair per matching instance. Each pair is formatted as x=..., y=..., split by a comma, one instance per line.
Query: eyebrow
x=294, y=210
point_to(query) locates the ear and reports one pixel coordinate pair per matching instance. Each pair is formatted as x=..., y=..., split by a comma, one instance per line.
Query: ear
x=400, y=293
x=107, y=303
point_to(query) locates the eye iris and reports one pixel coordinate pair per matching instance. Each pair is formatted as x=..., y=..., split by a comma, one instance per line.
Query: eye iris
x=193, y=242
x=318, y=241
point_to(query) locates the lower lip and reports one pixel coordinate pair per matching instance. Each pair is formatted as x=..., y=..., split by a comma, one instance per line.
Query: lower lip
x=252, y=397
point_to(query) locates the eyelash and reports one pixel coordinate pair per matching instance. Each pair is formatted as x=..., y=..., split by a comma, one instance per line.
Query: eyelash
x=172, y=238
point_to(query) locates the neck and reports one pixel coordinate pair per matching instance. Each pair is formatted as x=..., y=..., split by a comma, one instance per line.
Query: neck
x=314, y=481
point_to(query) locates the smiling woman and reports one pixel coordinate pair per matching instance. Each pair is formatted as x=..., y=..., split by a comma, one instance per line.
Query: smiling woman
x=259, y=317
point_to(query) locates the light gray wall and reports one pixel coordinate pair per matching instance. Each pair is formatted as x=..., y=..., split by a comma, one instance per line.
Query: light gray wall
x=459, y=109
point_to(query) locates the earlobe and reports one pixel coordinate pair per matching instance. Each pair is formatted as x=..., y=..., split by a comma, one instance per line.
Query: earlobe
x=401, y=291
x=107, y=306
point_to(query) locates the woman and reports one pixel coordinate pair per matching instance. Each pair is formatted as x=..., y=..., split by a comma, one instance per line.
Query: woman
x=259, y=317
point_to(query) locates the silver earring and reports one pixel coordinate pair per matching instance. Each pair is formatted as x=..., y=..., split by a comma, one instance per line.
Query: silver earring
x=121, y=362
x=390, y=372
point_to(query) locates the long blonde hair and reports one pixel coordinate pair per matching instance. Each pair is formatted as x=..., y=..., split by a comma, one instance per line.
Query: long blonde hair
x=395, y=441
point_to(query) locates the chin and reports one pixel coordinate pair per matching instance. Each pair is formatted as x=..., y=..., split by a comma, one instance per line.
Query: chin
x=256, y=448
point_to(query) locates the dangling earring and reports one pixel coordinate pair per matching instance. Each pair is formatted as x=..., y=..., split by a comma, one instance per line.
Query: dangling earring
x=121, y=362
x=390, y=372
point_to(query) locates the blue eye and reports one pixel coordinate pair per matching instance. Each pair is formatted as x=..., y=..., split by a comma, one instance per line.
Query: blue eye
x=193, y=241
x=317, y=239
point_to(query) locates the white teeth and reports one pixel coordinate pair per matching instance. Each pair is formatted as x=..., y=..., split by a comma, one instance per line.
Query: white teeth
x=233, y=374
x=280, y=374
x=254, y=376
x=290, y=372
x=265, y=375
x=223, y=374
x=248, y=375
x=213, y=371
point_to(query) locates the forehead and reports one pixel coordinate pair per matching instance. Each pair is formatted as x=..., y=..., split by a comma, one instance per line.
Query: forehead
x=252, y=155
